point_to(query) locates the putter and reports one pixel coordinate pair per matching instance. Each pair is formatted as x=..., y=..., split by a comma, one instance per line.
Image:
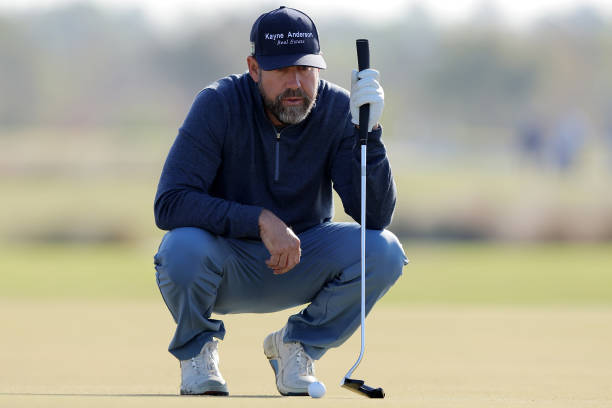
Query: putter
x=359, y=386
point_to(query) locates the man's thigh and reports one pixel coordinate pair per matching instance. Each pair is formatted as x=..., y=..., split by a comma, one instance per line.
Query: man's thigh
x=250, y=286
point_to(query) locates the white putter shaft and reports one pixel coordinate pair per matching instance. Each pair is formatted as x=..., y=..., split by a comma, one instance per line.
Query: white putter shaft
x=353, y=384
x=363, y=230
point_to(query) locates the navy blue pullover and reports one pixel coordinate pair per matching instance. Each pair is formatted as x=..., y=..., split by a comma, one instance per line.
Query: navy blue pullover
x=228, y=162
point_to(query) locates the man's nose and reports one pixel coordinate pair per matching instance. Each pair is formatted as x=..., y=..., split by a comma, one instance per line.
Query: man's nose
x=293, y=79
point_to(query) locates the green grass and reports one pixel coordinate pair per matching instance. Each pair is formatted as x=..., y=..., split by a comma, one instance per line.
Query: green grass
x=454, y=273
x=77, y=271
x=506, y=274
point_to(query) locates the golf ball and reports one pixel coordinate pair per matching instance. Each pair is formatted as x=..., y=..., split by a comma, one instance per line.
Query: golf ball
x=316, y=389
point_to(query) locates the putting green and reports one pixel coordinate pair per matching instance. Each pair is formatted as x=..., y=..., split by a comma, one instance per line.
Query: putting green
x=74, y=353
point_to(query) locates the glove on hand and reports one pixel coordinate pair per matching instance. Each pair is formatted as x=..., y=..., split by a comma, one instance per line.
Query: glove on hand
x=365, y=88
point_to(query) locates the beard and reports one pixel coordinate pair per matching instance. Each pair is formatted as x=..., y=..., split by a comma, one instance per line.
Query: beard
x=289, y=115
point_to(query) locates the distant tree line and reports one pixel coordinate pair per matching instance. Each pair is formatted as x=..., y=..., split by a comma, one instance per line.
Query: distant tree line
x=79, y=65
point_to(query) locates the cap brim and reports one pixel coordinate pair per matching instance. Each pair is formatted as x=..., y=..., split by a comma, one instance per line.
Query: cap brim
x=270, y=62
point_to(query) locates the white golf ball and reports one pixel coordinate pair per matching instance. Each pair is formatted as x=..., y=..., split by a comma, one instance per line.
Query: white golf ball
x=316, y=389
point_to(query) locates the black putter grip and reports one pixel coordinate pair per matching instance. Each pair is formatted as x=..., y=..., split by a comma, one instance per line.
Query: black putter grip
x=363, y=62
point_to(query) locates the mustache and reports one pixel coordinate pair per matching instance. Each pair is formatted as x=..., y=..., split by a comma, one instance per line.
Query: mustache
x=293, y=93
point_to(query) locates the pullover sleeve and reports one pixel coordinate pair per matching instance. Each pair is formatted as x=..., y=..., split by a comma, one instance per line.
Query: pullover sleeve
x=183, y=198
x=380, y=187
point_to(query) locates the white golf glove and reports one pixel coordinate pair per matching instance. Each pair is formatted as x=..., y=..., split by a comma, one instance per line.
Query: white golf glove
x=365, y=88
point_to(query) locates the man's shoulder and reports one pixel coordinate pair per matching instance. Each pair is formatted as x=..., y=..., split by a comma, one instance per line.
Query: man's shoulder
x=333, y=90
x=217, y=101
x=230, y=82
x=332, y=98
x=228, y=88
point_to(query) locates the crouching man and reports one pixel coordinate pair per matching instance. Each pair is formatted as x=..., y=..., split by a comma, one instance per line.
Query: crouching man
x=246, y=197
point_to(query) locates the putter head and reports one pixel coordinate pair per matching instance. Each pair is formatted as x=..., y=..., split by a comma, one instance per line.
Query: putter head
x=359, y=387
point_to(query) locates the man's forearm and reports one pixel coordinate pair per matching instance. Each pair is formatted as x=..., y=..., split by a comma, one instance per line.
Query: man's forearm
x=190, y=208
x=380, y=190
x=380, y=187
x=280, y=241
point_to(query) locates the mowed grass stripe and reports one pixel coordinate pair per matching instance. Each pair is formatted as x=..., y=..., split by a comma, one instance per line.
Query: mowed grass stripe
x=506, y=274
x=453, y=273
x=78, y=271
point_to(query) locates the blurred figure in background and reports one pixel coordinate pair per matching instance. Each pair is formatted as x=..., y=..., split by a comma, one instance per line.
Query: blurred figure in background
x=531, y=141
x=567, y=141
x=608, y=136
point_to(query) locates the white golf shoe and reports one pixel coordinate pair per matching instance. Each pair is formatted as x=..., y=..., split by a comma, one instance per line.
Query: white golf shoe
x=294, y=369
x=200, y=375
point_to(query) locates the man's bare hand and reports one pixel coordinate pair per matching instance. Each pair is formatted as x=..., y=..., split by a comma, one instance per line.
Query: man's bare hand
x=281, y=242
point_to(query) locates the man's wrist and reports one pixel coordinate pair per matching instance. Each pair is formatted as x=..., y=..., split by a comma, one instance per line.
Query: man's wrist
x=265, y=217
x=260, y=218
x=249, y=219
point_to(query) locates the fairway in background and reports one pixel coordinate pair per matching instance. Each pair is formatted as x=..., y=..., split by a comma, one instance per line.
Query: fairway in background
x=514, y=274
x=474, y=273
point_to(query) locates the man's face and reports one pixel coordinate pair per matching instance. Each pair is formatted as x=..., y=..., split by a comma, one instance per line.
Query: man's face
x=289, y=93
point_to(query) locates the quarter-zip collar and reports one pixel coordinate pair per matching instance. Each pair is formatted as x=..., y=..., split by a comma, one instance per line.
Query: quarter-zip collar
x=266, y=127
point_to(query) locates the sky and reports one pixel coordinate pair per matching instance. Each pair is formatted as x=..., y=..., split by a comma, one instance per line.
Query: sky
x=167, y=12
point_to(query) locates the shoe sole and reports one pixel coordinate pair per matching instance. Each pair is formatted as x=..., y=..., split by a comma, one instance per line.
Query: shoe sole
x=211, y=393
x=211, y=388
x=271, y=352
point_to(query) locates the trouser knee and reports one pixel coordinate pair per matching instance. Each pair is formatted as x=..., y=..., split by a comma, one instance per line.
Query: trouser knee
x=386, y=258
x=186, y=252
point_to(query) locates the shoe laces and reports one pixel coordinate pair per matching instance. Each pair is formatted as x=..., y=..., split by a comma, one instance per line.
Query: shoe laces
x=304, y=363
x=207, y=360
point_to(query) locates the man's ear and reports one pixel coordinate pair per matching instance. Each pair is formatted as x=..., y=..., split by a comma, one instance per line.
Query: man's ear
x=253, y=68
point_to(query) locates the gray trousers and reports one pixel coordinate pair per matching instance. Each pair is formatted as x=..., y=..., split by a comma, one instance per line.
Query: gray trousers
x=199, y=273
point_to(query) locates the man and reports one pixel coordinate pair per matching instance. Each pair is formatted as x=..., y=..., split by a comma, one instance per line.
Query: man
x=246, y=194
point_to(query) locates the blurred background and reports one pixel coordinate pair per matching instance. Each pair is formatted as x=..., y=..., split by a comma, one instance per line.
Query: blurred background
x=498, y=123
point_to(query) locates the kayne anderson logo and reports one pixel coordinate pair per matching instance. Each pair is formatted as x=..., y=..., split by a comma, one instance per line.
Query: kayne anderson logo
x=281, y=36
x=299, y=35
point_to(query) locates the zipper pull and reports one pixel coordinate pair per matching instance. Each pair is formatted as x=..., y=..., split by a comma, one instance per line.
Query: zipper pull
x=276, y=158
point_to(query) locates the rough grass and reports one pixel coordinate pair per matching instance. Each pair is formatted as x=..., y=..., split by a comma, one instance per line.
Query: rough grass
x=100, y=186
